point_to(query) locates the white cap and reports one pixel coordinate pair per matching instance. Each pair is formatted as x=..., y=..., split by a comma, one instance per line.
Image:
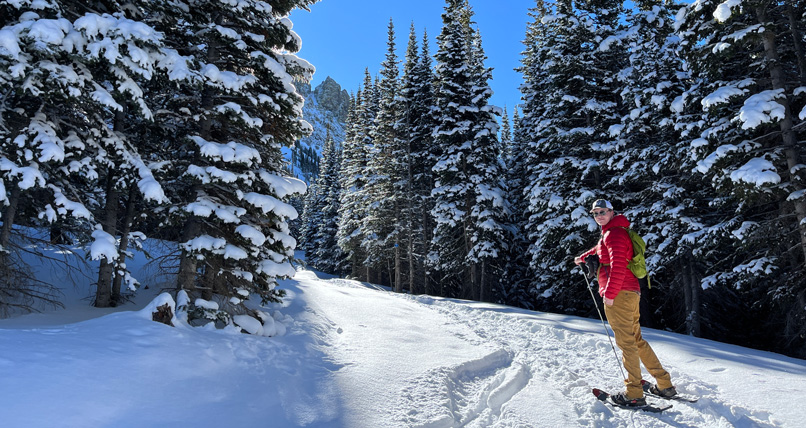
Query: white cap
x=601, y=203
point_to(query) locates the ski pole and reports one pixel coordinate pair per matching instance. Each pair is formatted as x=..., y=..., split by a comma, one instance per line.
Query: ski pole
x=595, y=303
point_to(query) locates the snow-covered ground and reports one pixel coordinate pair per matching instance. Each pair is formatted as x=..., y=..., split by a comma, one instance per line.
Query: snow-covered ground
x=356, y=355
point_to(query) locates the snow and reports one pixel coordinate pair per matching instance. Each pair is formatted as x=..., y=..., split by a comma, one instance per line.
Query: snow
x=722, y=12
x=720, y=95
x=103, y=245
x=9, y=44
x=269, y=203
x=234, y=252
x=760, y=108
x=758, y=172
x=351, y=354
x=230, y=152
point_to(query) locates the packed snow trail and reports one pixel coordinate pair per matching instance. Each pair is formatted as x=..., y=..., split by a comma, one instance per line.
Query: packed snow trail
x=419, y=361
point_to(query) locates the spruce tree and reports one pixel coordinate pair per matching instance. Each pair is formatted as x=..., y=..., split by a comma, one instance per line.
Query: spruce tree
x=385, y=176
x=352, y=206
x=469, y=203
x=327, y=254
x=571, y=101
x=491, y=231
x=233, y=107
x=74, y=112
x=421, y=117
x=745, y=73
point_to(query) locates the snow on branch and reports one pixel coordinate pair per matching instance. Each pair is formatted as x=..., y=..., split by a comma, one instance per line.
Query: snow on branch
x=29, y=176
x=103, y=245
x=723, y=11
x=721, y=95
x=758, y=172
x=705, y=165
x=283, y=186
x=9, y=44
x=227, y=79
x=761, y=108
x=270, y=204
x=254, y=122
x=230, y=152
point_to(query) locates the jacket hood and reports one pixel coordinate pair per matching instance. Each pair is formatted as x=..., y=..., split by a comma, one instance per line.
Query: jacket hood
x=618, y=221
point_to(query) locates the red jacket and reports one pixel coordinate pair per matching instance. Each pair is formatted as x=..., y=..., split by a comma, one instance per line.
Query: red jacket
x=615, y=251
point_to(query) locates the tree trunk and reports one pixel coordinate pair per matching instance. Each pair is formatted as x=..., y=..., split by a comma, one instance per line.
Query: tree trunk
x=483, y=291
x=186, y=278
x=213, y=278
x=124, y=246
x=691, y=292
x=103, y=295
x=8, y=216
x=398, y=282
x=789, y=139
x=797, y=41
x=428, y=281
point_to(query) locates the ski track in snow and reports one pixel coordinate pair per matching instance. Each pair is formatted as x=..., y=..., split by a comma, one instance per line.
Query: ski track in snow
x=534, y=359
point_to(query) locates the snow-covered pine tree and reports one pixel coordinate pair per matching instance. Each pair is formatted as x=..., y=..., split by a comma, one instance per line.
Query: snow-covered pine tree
x=643, y=161
x=452, y=201
x=232, y=107
x=575, y=81
x=506, y=130
x=326, y=251
x=747, y=79
x=421, y=120
x=516, y=278
x=468, y=195
x=352, y=207
x=314, y=216
x=73, y=104
x=309, y=222
x=386, y=168
x=489, y=216
x=412, y=238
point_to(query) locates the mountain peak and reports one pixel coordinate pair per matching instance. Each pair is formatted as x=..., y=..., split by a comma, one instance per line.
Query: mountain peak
x=331, y=97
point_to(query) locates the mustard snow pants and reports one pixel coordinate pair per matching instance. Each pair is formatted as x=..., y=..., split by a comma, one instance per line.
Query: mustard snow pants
x=623, y=318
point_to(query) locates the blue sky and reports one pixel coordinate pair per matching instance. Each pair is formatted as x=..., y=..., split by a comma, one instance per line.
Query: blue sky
x=343, y=37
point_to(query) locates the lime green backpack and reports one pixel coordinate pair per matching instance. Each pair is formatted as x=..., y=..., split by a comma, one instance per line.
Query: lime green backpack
x=638, y=263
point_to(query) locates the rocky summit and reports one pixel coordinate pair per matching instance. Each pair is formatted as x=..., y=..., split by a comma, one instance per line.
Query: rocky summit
x=326, y=108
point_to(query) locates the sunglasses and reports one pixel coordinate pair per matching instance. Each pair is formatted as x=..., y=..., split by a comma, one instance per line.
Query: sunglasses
x=600, y=213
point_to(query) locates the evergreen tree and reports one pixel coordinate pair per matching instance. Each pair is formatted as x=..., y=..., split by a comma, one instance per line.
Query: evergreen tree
x=310, y=221
x=383, y=228
x=491, y=230
x=421, y=120
x=232, y=108
x=352, y=204
x=571, y=101
x=327, y=254
x=468, y=196
x=746, y=68
x=516, y=277
x=410, y=204
x=73, y=105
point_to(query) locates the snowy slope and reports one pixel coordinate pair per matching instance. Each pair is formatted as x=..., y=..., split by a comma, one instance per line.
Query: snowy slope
x=356, y=355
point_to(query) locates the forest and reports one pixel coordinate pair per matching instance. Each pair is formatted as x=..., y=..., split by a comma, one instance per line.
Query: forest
x=689, y=117
x=122, y=121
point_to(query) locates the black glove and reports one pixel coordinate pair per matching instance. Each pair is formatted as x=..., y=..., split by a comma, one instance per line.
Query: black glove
x=591, y=266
